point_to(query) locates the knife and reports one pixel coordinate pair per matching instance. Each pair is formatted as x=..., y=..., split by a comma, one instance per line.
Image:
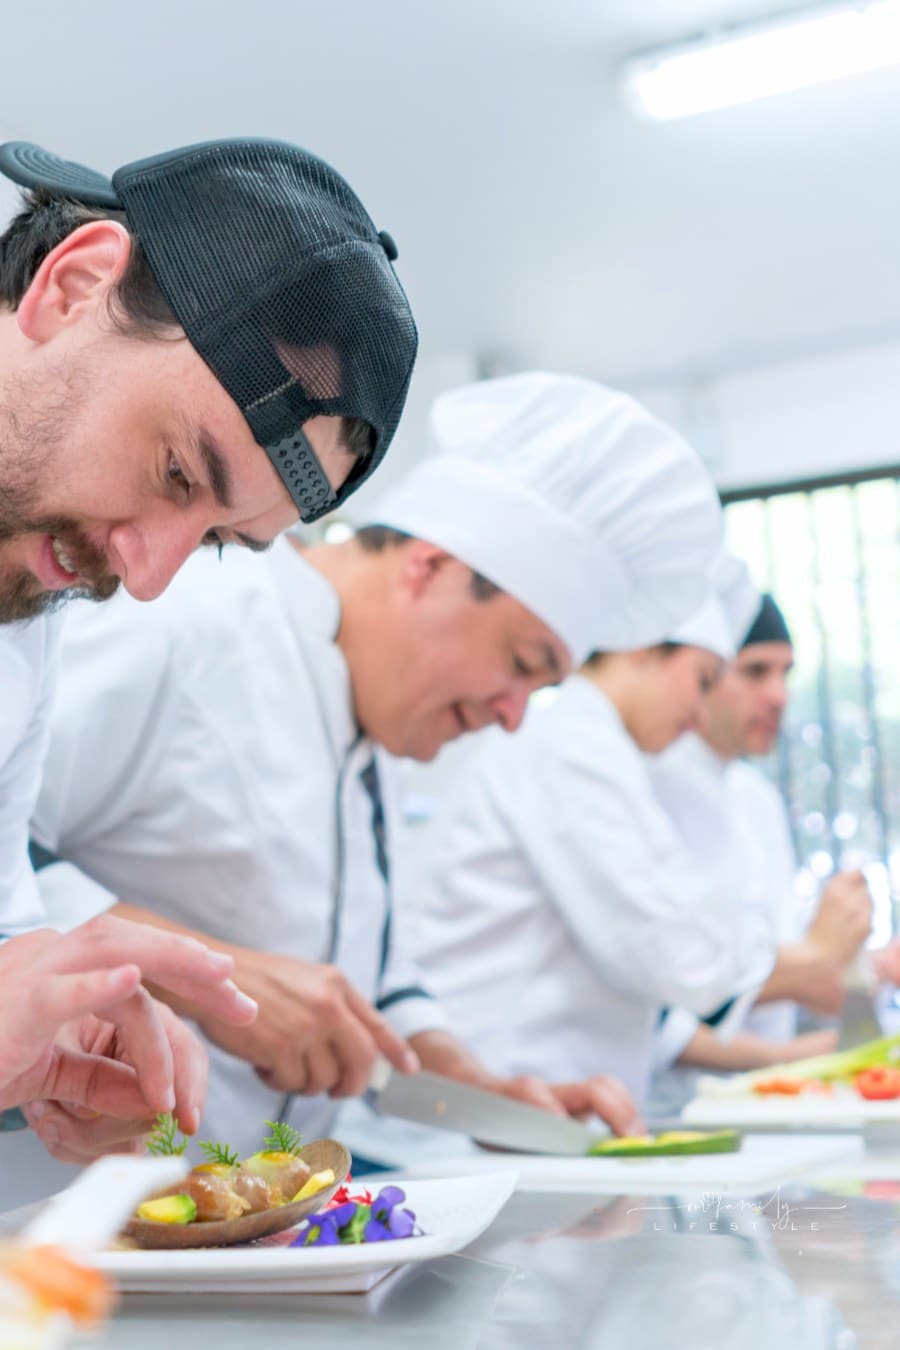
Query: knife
x=432, y=1099
x=859, y=1018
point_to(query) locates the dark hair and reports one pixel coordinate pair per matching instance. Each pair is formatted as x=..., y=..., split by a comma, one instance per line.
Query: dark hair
x=377, y=538
x=664, y=648
x=137, y=306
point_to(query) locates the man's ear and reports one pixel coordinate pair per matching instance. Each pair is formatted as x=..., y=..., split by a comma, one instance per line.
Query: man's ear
x=74, y=278
x=421, y=563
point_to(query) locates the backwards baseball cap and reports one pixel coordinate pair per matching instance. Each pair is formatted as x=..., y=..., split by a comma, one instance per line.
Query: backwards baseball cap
x=274, y=269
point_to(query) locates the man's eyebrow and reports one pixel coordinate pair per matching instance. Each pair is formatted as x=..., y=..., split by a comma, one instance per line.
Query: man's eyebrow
x=216, y=468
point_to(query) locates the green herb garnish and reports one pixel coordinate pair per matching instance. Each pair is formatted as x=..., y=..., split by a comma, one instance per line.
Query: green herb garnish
x=219, y=1153
x=162, y=1137
x=283, y=1139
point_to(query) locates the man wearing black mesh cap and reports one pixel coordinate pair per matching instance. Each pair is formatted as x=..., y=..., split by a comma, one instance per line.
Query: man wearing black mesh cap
x=198, y=350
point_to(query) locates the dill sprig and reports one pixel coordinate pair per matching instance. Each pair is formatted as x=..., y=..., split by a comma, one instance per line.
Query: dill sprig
x=219, y=1153
x=283, y=1139
x=162, y=1137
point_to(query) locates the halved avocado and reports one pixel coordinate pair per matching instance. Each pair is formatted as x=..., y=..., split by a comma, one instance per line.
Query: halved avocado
x=671, y=1144
x=168, y=1209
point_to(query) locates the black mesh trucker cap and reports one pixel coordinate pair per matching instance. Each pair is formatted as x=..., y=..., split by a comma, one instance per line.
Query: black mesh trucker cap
x=274, y=269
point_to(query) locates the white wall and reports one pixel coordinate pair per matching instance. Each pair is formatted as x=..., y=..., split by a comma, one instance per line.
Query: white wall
x=827, y=414
x=800, y=419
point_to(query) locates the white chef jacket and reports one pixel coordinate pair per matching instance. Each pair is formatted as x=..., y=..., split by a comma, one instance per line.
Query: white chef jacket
x=205, y=763
x=560, y=910
x=734, y=821
x=27, y=671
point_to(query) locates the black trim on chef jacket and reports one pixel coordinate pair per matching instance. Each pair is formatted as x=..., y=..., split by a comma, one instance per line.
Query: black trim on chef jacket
x=713, y=1019
x=41, y=857
x=12, y=1120
x=371, y=781
x=399, y=995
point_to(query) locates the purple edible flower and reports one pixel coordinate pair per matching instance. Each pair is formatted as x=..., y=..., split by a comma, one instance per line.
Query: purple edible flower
x=382, y=1221
x=391, y=1224
x=342, y=1214
x=387, y=1220
x=321, y=1231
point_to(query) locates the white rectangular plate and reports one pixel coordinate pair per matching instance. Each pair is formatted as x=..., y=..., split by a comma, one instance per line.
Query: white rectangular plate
x=451, y=1213
x=764, y=1160
x=842, y=1109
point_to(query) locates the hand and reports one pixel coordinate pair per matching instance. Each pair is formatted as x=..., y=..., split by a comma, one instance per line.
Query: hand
x=843, y=920
x=314, y=1033
x=600, y=1096
x=604, y=1097
x=886, y=962
x=90, y=1101
x=48, y=980
x=804, y=1046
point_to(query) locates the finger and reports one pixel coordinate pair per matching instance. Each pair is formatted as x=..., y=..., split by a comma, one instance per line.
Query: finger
x=190, y=1070
x=143, y=1040
x=56, y=999
x=323, y=1069
x=280, y=1082
x=161, y=955
x=394, y=1048
x=535, y=1092
x=604, y=1097
x=78, y=1141
x=356, y=1053
x=223, y=1000
x=611, y=1101
x=95, y=1085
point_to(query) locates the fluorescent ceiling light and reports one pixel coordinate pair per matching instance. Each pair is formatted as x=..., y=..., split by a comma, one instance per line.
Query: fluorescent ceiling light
x=813, y=46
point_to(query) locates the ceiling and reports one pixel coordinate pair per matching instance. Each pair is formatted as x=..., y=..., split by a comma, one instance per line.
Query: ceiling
x=539, y=221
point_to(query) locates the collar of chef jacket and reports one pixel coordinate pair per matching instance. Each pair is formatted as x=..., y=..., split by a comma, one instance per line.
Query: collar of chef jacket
x=312, y=608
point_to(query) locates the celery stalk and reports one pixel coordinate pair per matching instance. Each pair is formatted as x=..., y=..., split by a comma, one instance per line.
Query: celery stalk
x=841, y=1064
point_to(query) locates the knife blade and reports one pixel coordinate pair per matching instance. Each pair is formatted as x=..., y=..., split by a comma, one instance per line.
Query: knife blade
x=431, y=1099
x=859, y=1018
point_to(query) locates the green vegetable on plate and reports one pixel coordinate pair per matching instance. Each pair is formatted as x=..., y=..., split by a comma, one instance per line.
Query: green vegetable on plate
x=671, y=1144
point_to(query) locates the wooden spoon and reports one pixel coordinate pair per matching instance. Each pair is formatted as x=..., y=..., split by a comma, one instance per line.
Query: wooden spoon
x=318, y=1156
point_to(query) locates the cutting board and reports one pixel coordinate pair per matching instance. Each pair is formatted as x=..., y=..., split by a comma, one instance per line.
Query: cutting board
x=764, y=1160
x=843, y=1110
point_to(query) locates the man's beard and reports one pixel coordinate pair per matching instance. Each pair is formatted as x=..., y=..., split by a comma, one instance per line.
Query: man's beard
x=21, y=594
x=28, y=441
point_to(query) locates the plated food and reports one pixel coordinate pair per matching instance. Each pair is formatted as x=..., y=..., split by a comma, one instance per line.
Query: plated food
x=227, y=1200
x=870, y=1071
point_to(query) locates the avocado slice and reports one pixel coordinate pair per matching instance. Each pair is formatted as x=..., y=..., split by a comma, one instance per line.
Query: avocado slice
x=168, y=1209
x=671, y=1144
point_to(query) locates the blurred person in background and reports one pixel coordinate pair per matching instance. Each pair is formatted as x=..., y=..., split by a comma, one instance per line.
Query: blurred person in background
x=560, y=910
x=722, y=805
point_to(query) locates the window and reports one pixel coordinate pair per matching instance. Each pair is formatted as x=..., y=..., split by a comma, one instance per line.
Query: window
x=830, y=554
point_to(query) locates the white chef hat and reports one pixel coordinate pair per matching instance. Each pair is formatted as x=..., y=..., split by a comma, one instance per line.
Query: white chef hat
x=722, y=621
x=573, y=499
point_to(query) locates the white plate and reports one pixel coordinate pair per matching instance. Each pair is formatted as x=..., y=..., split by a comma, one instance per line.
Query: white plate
x=764, y=1160
x=451, y=1213
x=842, y=1109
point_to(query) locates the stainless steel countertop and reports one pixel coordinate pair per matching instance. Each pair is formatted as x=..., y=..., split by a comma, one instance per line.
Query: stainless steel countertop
x=801, y=1268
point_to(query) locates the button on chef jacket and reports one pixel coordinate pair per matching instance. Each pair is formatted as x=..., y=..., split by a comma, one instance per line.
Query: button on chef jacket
x=27, y=671
x=731, y=816
x=205, y=763
x=559, y=908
